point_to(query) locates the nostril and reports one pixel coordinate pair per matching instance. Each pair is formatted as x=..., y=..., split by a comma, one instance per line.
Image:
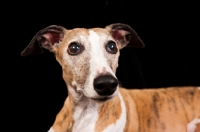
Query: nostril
x=105, y=84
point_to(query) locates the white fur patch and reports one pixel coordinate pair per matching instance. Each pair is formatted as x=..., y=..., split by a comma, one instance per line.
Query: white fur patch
x=120, y=123
x=51, y=130
x=98, y=62
x=199, y=88
x=191, y=126
x=75, y=95
x=85, y=116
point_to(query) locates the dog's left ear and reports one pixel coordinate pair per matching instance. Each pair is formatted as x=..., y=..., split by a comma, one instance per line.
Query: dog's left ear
x=46, y=38
x=125, y=35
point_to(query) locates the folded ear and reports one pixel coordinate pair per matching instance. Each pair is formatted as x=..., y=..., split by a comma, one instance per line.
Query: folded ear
x=46, y=38
x=125, y=35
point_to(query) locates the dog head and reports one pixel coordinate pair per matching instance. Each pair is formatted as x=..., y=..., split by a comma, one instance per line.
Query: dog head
x=89, y=57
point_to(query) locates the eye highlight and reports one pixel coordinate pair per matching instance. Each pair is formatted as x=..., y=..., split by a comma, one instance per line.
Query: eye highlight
x=111, y=47
x=74, y=48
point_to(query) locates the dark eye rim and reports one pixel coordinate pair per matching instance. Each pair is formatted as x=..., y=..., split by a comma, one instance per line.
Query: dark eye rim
x=81, y=48
x=109, y=50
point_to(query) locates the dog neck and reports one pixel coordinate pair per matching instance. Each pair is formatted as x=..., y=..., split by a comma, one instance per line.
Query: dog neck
x=112, y=115
x=89, y=115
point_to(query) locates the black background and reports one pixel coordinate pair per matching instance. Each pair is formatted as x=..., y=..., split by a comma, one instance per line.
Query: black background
x=33, y=90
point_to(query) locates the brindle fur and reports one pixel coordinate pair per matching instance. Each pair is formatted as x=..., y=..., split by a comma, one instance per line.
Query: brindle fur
x=152, y=110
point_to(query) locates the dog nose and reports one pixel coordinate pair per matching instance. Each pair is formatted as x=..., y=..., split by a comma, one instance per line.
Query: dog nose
x=105, y=85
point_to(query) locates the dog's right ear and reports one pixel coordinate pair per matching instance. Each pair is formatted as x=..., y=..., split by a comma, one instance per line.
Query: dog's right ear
x=125, y=35
x=46, y=38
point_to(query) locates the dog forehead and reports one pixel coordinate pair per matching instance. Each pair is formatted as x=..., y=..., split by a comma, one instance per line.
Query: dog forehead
x=76, y=32
x=83, y=35
x=101, y=32
x=86, y=32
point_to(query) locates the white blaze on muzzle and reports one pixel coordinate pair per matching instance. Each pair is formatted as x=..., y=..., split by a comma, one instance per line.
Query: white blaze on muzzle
x=98, y=61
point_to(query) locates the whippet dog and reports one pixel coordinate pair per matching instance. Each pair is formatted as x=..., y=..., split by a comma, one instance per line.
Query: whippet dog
x=96, y=102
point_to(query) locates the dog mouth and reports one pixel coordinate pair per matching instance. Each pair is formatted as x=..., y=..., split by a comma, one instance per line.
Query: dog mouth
x=102, y=99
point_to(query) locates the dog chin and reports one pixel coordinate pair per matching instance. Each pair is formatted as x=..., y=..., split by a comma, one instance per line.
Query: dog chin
x=101, y=99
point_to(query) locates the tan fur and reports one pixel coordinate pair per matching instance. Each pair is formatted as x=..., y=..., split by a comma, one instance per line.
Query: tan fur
x=82, y=70
x=143, y=113
x=198, y=128
x=64, y=120
x=166, y=110
x=151, y=110
x=108, y=114
x=155, y=110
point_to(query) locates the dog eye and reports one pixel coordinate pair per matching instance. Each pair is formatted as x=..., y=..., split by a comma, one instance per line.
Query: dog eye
x=111, y=47
x=74, y=48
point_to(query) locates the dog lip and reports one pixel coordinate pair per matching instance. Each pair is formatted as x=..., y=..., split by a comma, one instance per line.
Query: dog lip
x=101, y=99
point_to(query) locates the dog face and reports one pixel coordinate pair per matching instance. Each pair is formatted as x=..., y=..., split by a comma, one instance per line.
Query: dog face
x=86, y=54
x=89, y=57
